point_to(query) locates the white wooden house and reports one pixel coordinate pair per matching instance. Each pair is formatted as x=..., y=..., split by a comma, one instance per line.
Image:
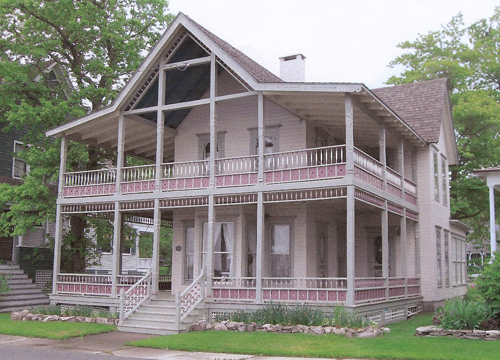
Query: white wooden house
x=346, y=203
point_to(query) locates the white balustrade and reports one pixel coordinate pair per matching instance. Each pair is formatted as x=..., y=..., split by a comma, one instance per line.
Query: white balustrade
x=304, y=283
x=91, y=177
x=187, y=169
x=237, y=165
x=367, y=163
x=190, y=298
x=327, y=155
x=410, y=187
x=131, y=299
x=138, y=173
x=233, y=282
x=393, y=177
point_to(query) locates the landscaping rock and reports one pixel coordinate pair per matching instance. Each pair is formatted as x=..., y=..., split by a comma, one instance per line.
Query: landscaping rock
x=231, y=325
x=385, y=330
x=18, y=315
x=220, y=327
x=296, y=329
x=318, y=330
x=80, y=319
x=28, y=317
x=242, y=328
x=208, y=326
x=250, y=327
x=101, y=320
x=90, y=320
x=339, y=331
x=367, y=334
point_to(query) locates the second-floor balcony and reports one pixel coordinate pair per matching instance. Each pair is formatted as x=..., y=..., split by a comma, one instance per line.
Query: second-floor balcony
x=282, y=167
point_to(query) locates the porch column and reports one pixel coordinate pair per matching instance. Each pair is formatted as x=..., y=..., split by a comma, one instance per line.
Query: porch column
x=209, y=265
x=160, y=128
x=59, y=217
x=260, y=247
x=351, y=255
x=404, y=250
x=349, y=135
x=117, y=239
x=213, y=133
x=120, y=155
x=350, y=213
x=260, y=134
x=385, y=217
x=493, y=235
x=156, y=248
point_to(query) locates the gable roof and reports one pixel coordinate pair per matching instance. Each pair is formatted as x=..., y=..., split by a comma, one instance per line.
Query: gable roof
x=419, y=104
x=258, y=72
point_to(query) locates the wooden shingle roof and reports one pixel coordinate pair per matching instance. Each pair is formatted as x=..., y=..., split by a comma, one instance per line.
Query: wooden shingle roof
x=419, y=104
x=258, y=72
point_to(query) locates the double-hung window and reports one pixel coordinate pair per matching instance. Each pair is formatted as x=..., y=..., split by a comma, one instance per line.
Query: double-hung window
x=19, y=166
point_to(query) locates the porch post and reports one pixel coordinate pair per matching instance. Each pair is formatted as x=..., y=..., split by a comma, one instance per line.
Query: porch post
x=120, y=155
x=260, y=134
x=213, y=133
x=493, y=235
x=160, y=129
x=404, y=245
x=117, y=238
x=59, y=218
x=350, y=213
x=156, y=248
x=209, y=265
x=260, y=246
x=385, y=218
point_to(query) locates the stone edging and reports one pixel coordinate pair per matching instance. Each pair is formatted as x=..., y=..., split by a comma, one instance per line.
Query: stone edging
x=369, y=331
x=463, y=334
x=25, y=315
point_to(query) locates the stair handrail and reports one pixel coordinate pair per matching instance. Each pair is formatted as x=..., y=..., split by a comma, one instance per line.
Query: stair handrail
x=189, y=299
x=131, y=299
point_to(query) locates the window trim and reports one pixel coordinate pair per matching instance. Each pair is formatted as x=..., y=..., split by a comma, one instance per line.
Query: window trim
x=280, y=221
x=437, y=181
x=14, y=159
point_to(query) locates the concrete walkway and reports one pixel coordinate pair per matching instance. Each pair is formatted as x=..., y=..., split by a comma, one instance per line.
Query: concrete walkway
x=113, y=343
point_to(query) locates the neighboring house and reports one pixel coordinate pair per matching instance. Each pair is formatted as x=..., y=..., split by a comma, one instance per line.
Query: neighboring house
x=284, y=191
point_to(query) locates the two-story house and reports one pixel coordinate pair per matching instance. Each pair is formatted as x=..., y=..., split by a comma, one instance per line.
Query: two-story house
x=319, y=193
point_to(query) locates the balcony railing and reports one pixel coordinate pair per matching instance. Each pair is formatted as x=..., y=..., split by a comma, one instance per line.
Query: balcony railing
x=327, y=162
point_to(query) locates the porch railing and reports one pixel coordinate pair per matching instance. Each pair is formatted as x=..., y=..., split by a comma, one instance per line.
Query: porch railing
x=315, y=289
x=95, y=285
x=90, y=177
x=187, y=301
x=131, y=299
x=237, y=165
x=327, y=155
x=186, y=169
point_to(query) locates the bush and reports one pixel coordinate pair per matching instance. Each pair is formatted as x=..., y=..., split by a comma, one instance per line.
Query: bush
x=4, y=285
x=87, y=311
x=342, y=318
x=460, y=314
x=488, y=284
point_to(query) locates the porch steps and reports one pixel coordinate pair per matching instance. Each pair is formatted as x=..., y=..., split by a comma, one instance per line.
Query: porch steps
x=158, y=317
x=23, y=294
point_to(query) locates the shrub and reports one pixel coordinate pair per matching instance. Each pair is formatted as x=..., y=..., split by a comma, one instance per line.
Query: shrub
x=488, y=284
x=306, y=315
x=342, y=318
x=4, y=285
x=272, y=313
x=47, y=310
x=462, y=314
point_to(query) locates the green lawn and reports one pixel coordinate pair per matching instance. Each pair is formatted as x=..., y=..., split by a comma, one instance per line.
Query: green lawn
x=399, y=344
x=50, y=330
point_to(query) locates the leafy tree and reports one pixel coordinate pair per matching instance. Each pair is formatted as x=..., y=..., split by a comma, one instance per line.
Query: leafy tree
x=98, y=43
x=468, y=56
x=4, y=285
x=489, y=284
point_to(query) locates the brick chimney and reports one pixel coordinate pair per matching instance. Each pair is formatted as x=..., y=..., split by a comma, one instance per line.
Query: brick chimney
x=293, y=68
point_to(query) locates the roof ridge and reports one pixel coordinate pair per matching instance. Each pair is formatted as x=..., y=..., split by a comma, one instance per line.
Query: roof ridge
x=412, y=83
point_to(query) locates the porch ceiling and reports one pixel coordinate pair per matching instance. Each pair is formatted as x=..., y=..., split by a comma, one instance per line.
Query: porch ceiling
x=328, y=111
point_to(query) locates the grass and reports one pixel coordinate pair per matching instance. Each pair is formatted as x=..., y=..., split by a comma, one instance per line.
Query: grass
x=51, y=330
x=399, y=344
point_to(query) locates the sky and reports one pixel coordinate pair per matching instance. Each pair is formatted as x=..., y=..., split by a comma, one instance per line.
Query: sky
x=342, y=40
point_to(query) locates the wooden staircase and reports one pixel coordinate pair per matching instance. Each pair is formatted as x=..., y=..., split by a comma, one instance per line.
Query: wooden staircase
x=23, y=293
x=158, y=317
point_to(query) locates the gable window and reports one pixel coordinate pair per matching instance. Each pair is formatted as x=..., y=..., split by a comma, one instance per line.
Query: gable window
x=444, y=178
x=19, y=166
x=436, y=176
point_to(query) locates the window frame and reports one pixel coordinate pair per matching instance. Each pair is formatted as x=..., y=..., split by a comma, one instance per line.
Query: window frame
x=439, y=258
x=185, y=278
x=437, y=190
x=16, y=159
x=272, y=224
